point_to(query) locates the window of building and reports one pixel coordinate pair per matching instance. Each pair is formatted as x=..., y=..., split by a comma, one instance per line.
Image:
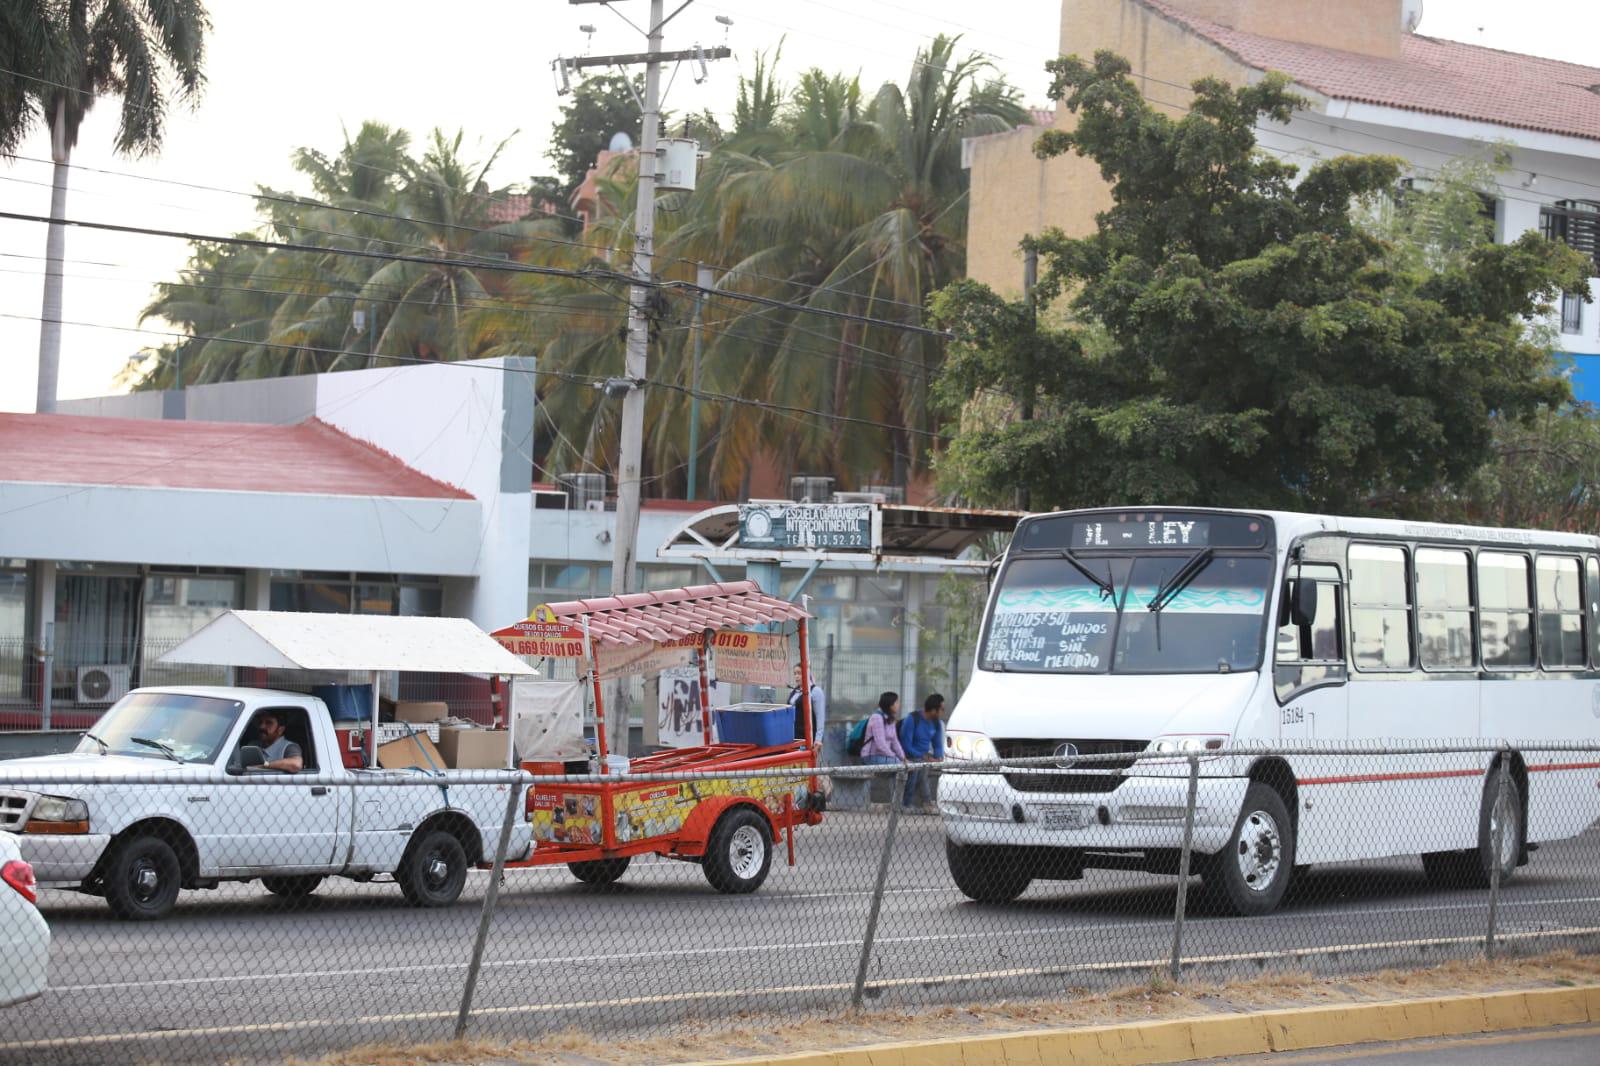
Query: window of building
x=347, y=593
x=1571, y=312
x=1444, y=609
x=1575, y=223
x=1560, y=612
x=1380, y=607
x=1505, y=615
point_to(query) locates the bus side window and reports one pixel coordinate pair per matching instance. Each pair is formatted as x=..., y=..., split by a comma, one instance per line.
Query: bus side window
x=1592, y=565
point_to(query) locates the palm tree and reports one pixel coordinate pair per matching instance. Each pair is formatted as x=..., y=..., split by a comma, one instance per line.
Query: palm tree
x=86, y=49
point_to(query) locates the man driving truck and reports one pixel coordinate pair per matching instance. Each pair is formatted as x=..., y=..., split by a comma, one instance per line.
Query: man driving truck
x=281, y=752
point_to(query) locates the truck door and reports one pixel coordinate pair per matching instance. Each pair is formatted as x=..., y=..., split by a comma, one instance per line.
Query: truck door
x=1309, y=677
x=282, y=828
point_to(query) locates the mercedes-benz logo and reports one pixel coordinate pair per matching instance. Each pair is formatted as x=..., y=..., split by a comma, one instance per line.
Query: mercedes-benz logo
x=1066, y=756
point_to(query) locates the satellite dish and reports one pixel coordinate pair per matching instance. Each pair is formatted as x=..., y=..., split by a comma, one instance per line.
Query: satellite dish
x=1411, y=14
x=621, y=142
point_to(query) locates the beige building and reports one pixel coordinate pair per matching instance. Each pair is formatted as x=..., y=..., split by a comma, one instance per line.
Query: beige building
x=1375, y=87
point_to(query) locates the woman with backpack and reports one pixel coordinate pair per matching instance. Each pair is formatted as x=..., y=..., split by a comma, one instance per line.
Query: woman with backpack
x=880, y=745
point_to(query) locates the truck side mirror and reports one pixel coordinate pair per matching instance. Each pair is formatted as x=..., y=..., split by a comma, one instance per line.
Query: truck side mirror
x=246, y=757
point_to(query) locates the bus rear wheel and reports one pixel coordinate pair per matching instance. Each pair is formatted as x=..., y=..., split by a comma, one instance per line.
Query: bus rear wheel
x=1474, y=868
x=987, y=875
x=1252, y=871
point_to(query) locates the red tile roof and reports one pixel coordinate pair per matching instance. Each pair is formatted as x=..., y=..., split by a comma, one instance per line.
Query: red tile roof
x=311, y=457
x=1431, y=75
x=508, y=207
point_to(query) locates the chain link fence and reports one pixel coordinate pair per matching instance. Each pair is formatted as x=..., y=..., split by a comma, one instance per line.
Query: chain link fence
x=199, y=915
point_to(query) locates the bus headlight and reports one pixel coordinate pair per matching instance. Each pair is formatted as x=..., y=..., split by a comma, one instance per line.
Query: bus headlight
x=964, y=746
x=1187, y=744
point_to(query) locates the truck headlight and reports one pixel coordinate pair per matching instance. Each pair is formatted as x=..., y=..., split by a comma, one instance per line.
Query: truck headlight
x=58, y=815
x=964, y=746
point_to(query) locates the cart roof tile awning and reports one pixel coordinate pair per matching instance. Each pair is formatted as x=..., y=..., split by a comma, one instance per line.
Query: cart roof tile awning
x=659, y=617
x=297, y=641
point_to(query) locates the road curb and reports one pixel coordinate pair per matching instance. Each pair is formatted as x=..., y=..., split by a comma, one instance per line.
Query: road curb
x=1219, y=1035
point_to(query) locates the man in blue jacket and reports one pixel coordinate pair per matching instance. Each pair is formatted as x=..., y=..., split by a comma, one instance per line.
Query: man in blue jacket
x=922, y=737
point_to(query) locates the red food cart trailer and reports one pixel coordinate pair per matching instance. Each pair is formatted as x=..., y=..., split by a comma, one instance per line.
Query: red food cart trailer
x=730, y=826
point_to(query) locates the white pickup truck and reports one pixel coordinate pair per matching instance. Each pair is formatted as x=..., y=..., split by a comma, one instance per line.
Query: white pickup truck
x=160, y=803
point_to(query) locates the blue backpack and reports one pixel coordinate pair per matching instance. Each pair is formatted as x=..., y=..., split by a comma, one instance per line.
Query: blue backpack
x=856, y=737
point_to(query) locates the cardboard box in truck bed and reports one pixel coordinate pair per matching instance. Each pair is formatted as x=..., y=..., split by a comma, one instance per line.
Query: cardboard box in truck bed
x=474, y=749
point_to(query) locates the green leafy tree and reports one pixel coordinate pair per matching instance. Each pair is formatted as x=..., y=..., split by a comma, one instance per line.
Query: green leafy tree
x=599, y=107
x=1231, y=334
x=62, y=57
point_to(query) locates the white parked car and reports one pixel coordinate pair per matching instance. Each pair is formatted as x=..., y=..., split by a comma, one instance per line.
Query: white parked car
x=24, y=936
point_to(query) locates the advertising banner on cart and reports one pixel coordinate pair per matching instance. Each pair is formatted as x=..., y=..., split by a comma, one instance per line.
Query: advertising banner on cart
x=542, y=636
x=751, y=658
x=647, y=658
x=679, y=721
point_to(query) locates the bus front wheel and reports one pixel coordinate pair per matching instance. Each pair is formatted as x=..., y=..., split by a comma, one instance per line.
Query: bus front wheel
x=1251, y=873
x=987, y=875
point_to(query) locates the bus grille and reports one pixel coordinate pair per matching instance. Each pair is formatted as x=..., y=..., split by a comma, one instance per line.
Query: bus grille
x=1103, y=776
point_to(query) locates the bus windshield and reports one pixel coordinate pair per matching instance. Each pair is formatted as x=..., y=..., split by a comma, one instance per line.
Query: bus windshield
x=1136, y=614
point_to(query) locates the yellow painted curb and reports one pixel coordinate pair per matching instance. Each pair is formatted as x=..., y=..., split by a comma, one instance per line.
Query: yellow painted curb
x=1221, y=1035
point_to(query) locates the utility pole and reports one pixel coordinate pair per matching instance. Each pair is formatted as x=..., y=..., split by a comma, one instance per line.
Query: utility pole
x=704, y=280
x=625, y=540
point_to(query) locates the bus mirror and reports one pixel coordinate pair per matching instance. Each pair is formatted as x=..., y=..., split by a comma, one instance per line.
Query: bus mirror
x=1303, y=603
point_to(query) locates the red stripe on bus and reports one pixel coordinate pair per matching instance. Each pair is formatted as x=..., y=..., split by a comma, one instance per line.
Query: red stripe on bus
x=1357, y=779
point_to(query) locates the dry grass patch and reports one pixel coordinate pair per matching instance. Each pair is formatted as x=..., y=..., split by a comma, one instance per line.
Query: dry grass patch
x=765, y=1034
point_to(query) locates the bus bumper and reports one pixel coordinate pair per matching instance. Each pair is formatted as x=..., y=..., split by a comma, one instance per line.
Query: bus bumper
x=1141, y=814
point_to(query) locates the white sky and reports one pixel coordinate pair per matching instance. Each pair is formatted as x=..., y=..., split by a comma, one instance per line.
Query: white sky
x=287, y=74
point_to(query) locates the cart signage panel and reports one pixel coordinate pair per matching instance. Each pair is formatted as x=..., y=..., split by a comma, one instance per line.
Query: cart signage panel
x=807, y=525
x=645, y=658
x=542, y=635
x=751, y=658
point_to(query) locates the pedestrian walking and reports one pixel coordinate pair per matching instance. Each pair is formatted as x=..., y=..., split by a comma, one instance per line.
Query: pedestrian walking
x=922, y=739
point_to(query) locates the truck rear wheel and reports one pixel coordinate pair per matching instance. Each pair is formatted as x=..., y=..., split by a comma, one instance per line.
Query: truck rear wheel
x=739, y=852
x=987, y=875
x=142, y=879
x=599, y=871
x=434, y=870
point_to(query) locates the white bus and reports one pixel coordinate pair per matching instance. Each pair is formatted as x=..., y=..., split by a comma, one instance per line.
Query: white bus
x=1120, y=632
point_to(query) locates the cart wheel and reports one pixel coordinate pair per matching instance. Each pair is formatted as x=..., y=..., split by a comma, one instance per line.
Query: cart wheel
x=599, y=871
x=739, y=853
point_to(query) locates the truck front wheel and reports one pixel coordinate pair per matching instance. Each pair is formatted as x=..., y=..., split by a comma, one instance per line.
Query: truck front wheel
x=434, y=870
x=142, y=879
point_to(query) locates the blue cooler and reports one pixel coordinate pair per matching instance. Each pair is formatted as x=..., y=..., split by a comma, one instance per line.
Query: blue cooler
x=763, y=724
x=346, y=703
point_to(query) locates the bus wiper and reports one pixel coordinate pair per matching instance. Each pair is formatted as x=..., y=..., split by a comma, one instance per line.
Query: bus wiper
x=105, y=749
x=1180, y=579
x=165, y=749
x=1107, y=590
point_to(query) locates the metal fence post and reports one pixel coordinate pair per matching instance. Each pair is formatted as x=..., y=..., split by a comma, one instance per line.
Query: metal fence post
x=48, y=680
x=827, y=670
x=1184, y=856
x=1496, y=842
x=877, y=889
x=487, y=916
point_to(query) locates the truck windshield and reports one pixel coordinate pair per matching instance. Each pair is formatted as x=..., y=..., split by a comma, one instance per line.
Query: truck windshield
x=194, y=727
x=1050, y=616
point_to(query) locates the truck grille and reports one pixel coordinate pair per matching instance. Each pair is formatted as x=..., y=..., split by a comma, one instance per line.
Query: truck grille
x=13, y=812
x=1101, y=777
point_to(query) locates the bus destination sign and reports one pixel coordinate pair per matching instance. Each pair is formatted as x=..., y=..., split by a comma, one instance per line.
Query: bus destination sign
x=1176, y=533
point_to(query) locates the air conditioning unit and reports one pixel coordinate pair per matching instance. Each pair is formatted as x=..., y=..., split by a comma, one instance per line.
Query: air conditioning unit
x=103, y=684
x=859, y=497
x=810, y=488
x=582, y=488
x=890, y=493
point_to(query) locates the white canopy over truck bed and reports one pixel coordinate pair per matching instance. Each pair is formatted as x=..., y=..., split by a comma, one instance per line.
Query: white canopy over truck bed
x=287, y=640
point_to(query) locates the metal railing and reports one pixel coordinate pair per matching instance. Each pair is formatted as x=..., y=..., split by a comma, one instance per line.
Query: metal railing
x=1037, y=877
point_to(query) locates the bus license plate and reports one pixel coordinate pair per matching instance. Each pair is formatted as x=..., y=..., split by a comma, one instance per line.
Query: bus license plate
x=1064, y=817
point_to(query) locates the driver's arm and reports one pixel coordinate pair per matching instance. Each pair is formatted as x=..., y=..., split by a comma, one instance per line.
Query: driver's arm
x=291, y=763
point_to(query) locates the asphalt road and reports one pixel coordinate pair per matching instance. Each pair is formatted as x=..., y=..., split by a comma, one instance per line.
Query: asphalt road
x=238, y=974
